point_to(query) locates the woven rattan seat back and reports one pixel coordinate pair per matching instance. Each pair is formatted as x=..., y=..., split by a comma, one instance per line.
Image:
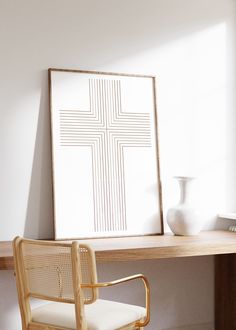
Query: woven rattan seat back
x=47, y=267
x=88, y=272
x=48, y=270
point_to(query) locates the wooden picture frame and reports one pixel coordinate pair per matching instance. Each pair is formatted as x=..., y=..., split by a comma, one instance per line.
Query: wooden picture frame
x=106, y=173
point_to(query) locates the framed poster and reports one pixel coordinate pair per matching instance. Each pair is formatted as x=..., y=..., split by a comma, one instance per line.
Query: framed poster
x=106, y=176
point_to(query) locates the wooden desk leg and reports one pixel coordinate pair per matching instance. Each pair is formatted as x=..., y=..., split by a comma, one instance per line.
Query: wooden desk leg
x=225, y=292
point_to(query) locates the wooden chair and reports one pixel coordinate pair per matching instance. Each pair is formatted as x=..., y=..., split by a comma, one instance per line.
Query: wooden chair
x=64, y=275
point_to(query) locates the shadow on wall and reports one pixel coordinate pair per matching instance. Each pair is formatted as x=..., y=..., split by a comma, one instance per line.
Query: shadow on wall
x=171, y=306
x=39, y=215
x=115, y=31
x=8, y=303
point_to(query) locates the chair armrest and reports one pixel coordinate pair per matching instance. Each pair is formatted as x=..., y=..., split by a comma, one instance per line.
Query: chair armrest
x=123, y=280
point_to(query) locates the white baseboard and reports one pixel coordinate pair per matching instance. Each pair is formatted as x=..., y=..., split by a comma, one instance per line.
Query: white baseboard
x=202, y=326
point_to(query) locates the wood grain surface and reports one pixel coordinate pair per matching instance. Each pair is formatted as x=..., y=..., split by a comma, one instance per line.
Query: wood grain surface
x=148, y=247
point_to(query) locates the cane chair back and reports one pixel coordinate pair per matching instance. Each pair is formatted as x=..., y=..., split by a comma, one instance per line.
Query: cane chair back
x=88, y=273
x=48, y=271
x=43, y=262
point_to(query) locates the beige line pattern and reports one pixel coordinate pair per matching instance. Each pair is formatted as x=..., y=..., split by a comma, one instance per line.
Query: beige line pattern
x=107, y=130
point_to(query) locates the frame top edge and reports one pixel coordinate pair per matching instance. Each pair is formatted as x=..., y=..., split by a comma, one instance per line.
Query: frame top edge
x=102, y=72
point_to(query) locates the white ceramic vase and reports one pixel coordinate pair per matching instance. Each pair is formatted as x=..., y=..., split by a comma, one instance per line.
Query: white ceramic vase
x=182, y=218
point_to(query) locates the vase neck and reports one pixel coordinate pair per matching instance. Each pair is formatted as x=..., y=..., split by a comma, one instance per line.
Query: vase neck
x=184, y=184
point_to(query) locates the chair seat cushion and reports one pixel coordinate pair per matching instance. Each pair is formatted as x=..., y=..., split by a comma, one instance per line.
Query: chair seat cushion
x=101, y=315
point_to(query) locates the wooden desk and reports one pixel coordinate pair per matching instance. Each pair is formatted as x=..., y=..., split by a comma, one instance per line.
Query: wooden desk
x=6, y=256
x=221, y=244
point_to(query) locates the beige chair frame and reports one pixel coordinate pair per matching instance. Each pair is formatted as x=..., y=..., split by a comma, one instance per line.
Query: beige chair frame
x=24, y=293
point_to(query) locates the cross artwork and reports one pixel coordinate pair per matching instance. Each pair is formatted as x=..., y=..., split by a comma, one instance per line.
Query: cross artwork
x=107, y=130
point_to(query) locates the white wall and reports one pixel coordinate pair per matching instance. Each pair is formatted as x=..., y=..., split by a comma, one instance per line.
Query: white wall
x=190, y=46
